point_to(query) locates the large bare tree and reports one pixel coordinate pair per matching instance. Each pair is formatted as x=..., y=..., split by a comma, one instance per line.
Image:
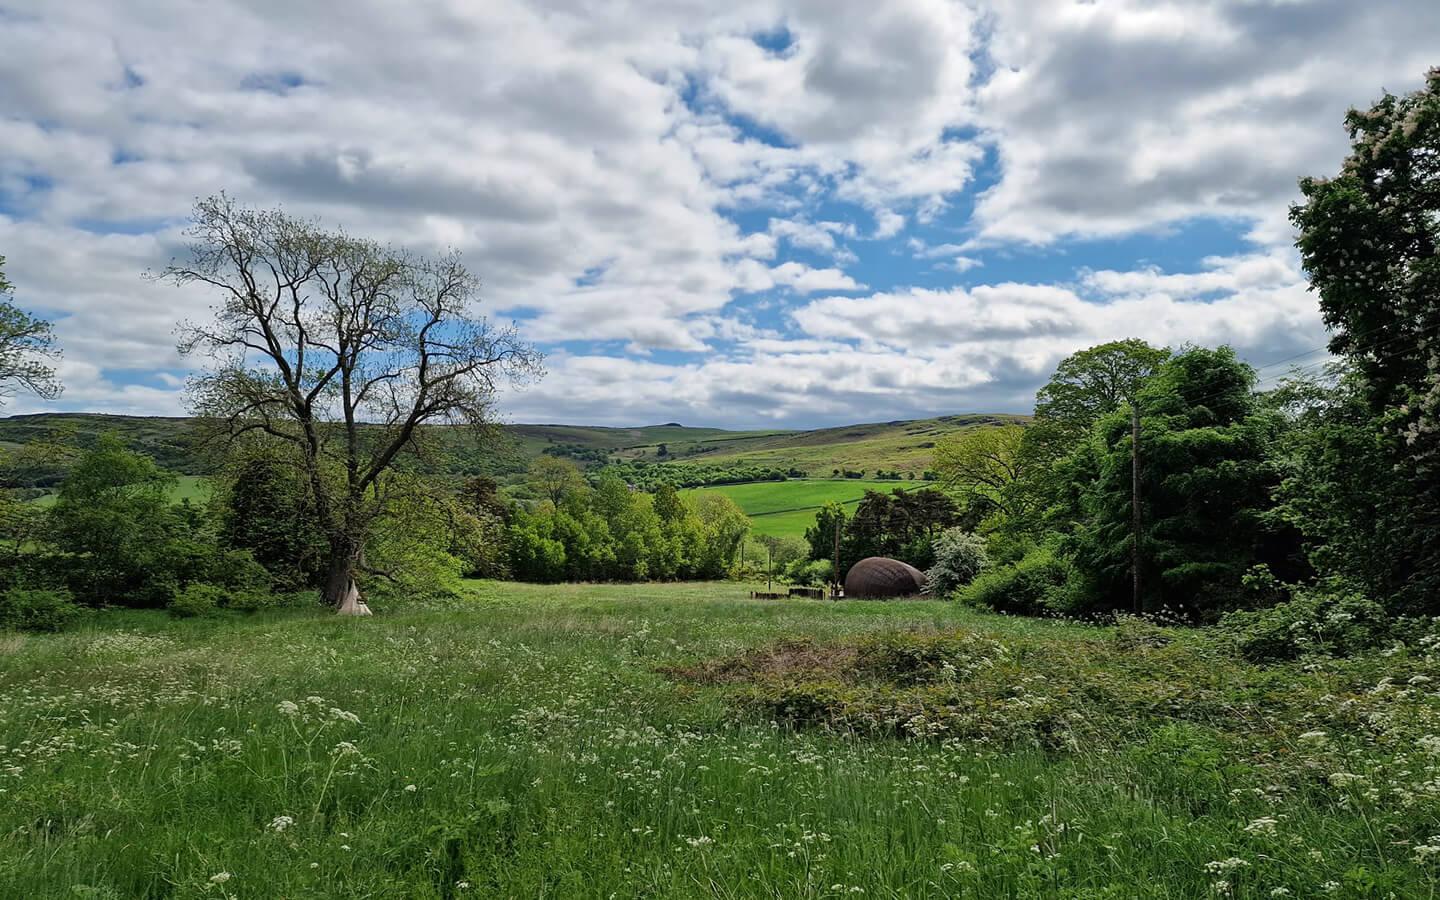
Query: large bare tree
x=342, y=348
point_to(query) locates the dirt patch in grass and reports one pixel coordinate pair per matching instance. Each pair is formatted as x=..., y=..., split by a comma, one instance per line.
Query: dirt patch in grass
x=786, y=659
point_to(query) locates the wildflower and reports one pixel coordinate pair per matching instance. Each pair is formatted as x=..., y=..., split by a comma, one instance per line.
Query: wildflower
x=1225, y=866
x=280, y=823
x=1262, y=825
x=1314, y=737
x=344, y=716
x=701, y=841
x=1343, y=779
x=410, y=789
x=462, y=885
x=1280, y=892
x=288, y=708
x=220, y=878
x=345, y=748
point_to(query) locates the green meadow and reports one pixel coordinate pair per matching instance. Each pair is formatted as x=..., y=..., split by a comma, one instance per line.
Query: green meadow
x=787, y=508
x=195, y=488
x=681, y=741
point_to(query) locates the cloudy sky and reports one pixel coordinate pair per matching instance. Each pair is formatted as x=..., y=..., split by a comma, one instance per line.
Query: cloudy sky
x=752, y=213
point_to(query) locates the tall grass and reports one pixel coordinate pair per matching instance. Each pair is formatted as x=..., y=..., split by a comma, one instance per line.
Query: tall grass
x=525, y=744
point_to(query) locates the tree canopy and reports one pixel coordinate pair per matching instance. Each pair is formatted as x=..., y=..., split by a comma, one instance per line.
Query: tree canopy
x=342, y=348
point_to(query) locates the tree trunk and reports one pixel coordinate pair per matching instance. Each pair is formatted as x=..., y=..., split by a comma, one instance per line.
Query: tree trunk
x=341, y=591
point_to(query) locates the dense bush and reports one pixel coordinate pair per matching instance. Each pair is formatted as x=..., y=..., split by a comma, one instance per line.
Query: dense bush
x=959, y=558
x=1035, y=586
x=24, y=609
x=197, y=600
x=1331, y=619
x=810, y=572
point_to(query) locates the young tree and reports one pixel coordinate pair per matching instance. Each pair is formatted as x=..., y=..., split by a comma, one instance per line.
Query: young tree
x=344, y=349
x=114, y=524
x=554, y=478
x=265, y=507
x=27, y=347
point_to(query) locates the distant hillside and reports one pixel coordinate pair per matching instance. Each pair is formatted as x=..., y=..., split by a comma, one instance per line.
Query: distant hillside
x=905, y=446
x=902, y=446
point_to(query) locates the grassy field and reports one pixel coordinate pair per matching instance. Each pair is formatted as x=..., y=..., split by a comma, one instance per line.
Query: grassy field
x=904, y=446
x=787, y=508
x=664, y=741
x=194, y=488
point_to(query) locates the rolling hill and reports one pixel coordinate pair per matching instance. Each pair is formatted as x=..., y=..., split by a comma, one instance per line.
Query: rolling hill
x=903, y=447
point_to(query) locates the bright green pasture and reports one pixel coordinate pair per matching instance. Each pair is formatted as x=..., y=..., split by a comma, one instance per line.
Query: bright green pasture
x=787, y=508
x=195, y=488
x=524, y=743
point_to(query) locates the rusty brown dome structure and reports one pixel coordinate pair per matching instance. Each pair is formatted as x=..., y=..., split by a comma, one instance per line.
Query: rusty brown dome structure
x=880, y=577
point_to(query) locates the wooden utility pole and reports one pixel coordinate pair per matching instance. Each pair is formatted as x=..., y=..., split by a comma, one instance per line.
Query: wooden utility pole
x=1135, y=505
x=835, y=571
x=769, y=565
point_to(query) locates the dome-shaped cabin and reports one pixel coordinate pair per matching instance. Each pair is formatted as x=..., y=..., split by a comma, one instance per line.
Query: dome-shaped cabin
x=880, y=577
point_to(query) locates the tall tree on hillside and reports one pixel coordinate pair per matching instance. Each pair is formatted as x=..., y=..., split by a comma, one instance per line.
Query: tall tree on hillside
x=27, y=349
x=343, y=348
x=1370, y=242
x=1206, y=485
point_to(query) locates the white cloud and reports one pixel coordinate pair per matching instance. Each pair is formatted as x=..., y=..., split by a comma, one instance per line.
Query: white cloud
x=1129, y=114
x=595, y=163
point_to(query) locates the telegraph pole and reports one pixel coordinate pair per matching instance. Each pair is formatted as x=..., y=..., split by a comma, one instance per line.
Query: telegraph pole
x=769, y=565
x=835, y=571
x=1135, y=505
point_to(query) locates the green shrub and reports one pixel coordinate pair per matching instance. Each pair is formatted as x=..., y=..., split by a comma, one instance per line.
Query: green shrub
x=197, y=599
x=37, y=610
x=959, y=558
x=238, y=571
x=1329, y=620
x=250, y=600
x=813, y=572
x=1034, y=586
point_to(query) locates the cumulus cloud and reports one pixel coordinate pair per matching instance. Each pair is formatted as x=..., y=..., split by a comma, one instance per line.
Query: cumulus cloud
x=1117, y=116
x=683, y=203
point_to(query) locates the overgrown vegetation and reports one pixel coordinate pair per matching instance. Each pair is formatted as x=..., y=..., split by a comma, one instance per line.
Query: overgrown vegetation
x=524, y=743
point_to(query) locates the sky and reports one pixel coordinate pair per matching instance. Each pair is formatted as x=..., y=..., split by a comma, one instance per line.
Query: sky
x=754, y=214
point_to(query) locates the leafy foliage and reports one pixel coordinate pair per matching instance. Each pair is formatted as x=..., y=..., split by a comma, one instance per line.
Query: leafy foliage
x=27, y=347
x=1205, y=482
x=31, y=609
x=611, y=532
x=1368, y=240
x=960, y=557
x=1035, y=585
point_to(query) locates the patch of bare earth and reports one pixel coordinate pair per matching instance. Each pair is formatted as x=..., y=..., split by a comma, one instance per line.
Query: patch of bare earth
x=786, y=659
